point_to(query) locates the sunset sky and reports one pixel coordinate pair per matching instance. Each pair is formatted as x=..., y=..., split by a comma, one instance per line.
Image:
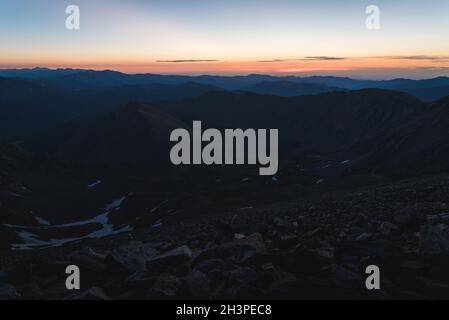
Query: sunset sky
x=230, y=37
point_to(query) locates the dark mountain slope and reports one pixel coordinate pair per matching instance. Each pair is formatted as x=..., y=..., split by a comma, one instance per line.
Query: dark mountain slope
x=326, y=123
x=381, y=132
x=287, y=88
x=420, y=145
x=399, y=84
x=134, y=135
x=29, y=108
x=104, y=97
x=75, y=80
x=37, y=73
x=428, y=94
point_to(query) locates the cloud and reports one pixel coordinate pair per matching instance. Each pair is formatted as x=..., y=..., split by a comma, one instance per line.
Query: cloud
x=187, y=61
x=418, y=57
x=276, y=60
x=444, y=69
x=324, y=58
x=312, y=58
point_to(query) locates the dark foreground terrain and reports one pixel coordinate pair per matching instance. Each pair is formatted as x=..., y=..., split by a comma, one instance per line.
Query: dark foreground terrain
x=316, y=247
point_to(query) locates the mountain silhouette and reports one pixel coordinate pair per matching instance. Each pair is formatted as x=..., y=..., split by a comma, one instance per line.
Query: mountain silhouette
x=76, y=80
x=380, y=131
x=132, y=135
x=288, y=88
x=31, y=107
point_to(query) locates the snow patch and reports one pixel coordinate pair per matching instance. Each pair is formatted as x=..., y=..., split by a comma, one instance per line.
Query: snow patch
x=157, y=224
x=31, y=240
x=42, y=221
x=94, y=184
x=115, y=204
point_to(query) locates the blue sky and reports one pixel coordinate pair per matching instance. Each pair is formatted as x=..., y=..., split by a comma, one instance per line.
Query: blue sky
x=134, y=34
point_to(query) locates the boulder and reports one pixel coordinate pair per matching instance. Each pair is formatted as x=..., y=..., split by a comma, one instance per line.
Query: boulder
x=364, y=237
x=166, y=286
x=8, y=292
x=179, y=254
x=438, y=218
x=434, y=241
x=240, y=251
x=133, y=257
x=254, y=242
x=88, y=258
x=93, y=293
x=196, y=285
x=176, y=260
x=388, y=228
x=406, y=216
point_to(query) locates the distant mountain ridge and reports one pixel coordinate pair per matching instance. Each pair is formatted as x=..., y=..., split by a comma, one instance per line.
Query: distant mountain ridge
x=29, y=107
x=134, y=134
x=379, y=131
x=76, y=79
x=289, y=89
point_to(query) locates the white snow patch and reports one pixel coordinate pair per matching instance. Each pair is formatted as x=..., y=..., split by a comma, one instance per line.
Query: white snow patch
x=94, y=184
x=320, y=181
x=245, y=208
x=159, y=205
x=345, y=162
x=115, y=204
x=157, y=224
x=15, y=194
x=31, y=240
x=42, y=221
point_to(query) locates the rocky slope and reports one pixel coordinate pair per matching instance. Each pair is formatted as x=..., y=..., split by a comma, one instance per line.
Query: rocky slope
x=316, y=247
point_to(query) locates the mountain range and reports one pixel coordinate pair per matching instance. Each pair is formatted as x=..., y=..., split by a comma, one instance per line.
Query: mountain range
x=76, y=79
x=85, y=177
x=35, y=100
x=85, y=126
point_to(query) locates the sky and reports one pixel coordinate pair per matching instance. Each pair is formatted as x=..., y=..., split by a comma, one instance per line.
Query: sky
x=288, y=37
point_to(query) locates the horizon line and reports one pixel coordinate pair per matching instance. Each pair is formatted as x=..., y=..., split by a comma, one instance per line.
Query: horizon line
x=226, y=75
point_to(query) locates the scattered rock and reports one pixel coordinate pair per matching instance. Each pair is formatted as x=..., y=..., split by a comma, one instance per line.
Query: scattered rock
x=254, y=242
x=196, y=285
x=166, y=286
x=406, y=216
x=326, y=253
x=320, y=255
x=435, y=241
x=179, y=254
x=288, y=238
x=176, y=260
x=94, y=293
x=133, y=257
x=87, y=258
x=8, y=292
x=284, y=223
x=364, y=237
x=388, y=228
x=438, y=218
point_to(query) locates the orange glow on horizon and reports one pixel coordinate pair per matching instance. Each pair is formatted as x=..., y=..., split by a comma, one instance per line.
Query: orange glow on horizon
x=286, y=66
